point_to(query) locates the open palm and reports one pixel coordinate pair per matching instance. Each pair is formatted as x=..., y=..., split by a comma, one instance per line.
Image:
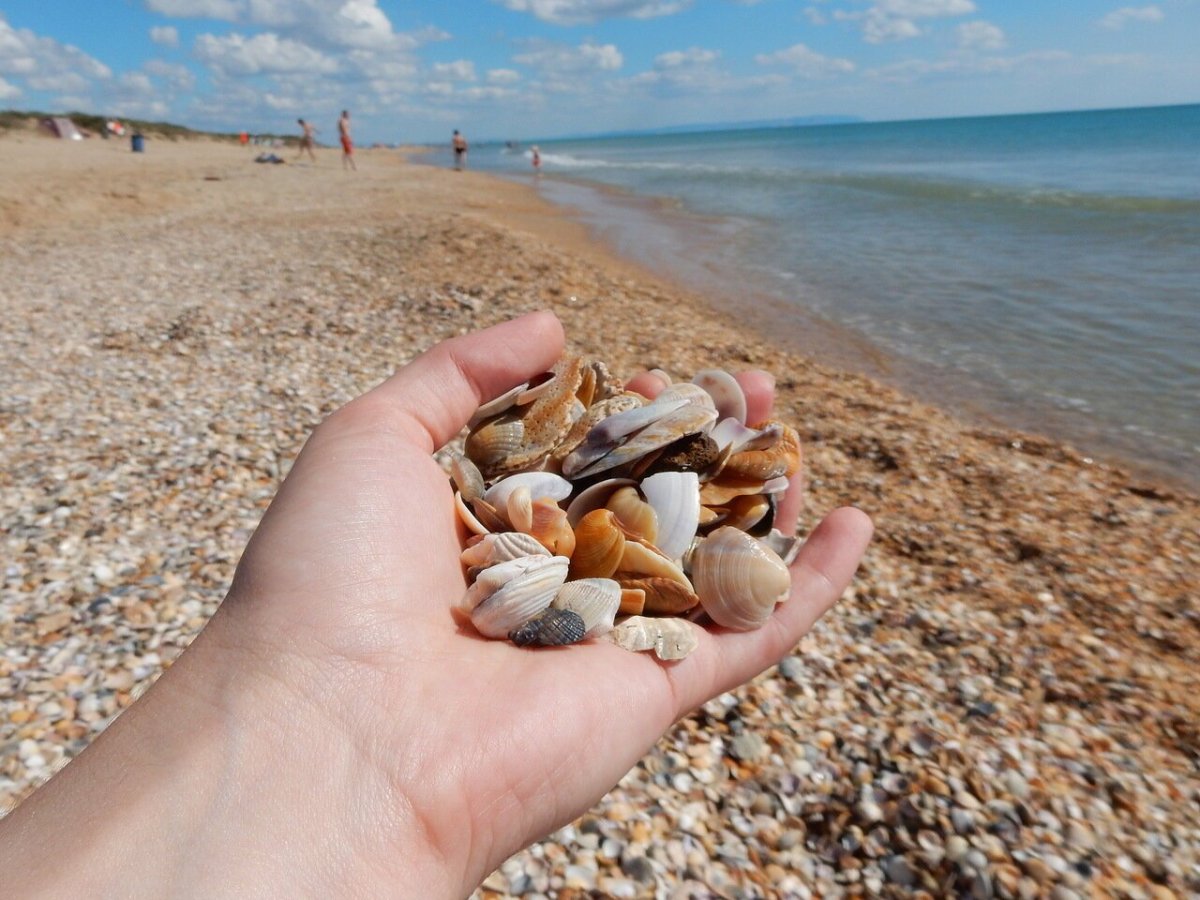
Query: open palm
x=454, y=747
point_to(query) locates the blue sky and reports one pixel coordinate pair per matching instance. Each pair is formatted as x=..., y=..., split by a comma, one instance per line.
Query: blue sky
x=524, y=69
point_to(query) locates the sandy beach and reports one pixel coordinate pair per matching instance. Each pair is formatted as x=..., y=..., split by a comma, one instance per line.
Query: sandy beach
x=1004, y=704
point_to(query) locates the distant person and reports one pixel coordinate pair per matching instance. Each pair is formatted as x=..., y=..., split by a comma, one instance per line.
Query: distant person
x=307, y=137
x=459, y=143
x=347, y=143
x=244, y=138
x=536, y=159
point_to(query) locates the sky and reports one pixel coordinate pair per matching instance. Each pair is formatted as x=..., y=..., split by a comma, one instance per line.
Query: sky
x=412, y=70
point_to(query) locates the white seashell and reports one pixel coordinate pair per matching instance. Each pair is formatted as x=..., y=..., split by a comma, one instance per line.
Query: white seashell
x=786, y=546
x=540, y=484
x=675, y=496
x=611, y=431
x=501, y=547
x=738, y=579
x=519, y=509
x=508, y=595
x=680, y=422
x=503, y=403
x=467, y=515
x=594, y=497
x=668, y=638
x=730, y=433
x=692, y=393
x=595, y=599
x=725, y=391
x=467, y=477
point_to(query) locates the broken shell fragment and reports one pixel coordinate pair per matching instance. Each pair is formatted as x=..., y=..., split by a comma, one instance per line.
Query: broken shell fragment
x=668, y=638
x=549, y=628
x=738, y=579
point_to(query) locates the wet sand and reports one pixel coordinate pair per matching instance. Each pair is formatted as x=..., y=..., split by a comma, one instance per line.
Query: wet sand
x=1007, y=696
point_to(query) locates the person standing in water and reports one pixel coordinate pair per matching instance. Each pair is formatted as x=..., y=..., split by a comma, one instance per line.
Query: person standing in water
x=308, y=130
x=347, y=143
x=536, y=158
x=459, y=143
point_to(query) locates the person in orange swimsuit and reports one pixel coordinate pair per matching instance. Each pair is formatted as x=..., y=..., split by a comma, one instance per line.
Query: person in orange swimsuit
x=347, y=143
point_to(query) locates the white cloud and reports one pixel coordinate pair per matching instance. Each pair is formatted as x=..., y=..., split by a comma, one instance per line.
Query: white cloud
x=1117, y=19
x=43, y=64
x=8, y=91
x=503, y=76
x=693, y=56
x=459, y=70
x=179, y=77
x=910, y=70
x=321, y=23
x=235, y=54
x=196, y=9
x=560, y=59
x=165, y=36
x=980, y=36
x=815, y=16
x=896, y=20
x=925, y=9
x=806, y=63
x=581, y=12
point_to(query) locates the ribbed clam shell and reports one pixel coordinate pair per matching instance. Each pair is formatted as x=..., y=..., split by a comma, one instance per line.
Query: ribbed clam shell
x=518, y=509
x=680, y=422
x=636, y=516
x=501, y=547
x=675, y=497
x=738, y=579
x=668, y=638
x=508, y=595
x=599, y=545
x=596, y=600
x=725, y=391
x=540, y=484
x=503, y=403
x=549, y=628
x=594, y=497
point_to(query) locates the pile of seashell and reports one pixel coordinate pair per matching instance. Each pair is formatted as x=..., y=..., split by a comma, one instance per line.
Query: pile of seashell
x=588, y=502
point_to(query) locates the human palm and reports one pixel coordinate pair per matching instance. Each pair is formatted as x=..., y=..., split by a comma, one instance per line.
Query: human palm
x=464, y=748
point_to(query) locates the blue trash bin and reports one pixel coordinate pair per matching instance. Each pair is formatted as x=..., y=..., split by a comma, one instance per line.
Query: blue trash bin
x=139, y=143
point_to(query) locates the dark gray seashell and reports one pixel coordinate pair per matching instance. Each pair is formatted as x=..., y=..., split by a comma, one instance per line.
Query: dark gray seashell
x=550, y=628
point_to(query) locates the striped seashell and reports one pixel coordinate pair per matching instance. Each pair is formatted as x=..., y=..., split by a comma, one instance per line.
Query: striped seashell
x=508, y=595
x=501, y=547
x=738, y=579
x=596, y=600
x=549, y=628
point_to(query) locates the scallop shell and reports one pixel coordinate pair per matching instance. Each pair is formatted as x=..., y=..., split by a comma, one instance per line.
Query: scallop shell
x=725, y=391
x=664, y=596
x=549, y=628
x=501, y=547
x=738, y=579
x=675, y=497
x=508, y=595
x=668, y=638
x=596, y=600
x=599, y=545
x=636, y=516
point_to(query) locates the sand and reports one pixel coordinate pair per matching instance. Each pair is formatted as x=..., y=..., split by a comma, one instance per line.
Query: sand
x=1005, y=702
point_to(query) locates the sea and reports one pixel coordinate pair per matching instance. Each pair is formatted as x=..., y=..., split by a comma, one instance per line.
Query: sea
x=1038, y=271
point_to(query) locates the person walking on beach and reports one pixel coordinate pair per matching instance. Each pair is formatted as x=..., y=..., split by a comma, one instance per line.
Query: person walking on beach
x=459, y=143
x=536, y=159
x=307, y=132
x=347, y=143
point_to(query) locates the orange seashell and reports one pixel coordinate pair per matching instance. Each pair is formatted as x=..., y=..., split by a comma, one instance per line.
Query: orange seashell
x=782, y=458
x=551, y=528
x=633, y=601
x=728, y=485
x=664, y=596
x=599, y=545
x=636, y=516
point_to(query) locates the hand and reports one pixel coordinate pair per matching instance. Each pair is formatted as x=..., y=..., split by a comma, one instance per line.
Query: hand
x=366, y=738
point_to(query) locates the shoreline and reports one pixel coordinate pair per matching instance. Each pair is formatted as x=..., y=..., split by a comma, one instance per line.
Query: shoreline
x=1015, y=671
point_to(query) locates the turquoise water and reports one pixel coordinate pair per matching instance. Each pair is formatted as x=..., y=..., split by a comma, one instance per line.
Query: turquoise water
x=1041, y=270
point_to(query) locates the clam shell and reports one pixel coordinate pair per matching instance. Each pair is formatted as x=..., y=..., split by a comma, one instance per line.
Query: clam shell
x=519, y=509
x=540, y=484
x=633, y=601
x=738, y=579
x=549, y=628
x=640, y=558
x=780, y=458
x=594, y=497
x=636, y=516
x=675, y=497
x=668, y=638
x=467, y=515
x=680, y=422
x=599, y=545
x=664, y=596
x=725, y=391
x=785, y=546
x=613, y=430
x=596, y=600
x=746, y=511
x=467, y=477
x=508, y=595
x=550, y=526
x=726, y=486
x=596, y=413
x=503, y=403
x=501, y=547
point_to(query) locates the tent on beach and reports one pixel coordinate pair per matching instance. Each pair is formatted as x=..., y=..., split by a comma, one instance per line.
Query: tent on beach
x=62, y=127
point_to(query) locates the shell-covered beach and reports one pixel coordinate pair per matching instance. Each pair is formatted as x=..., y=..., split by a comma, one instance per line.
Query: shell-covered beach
x=1004, y=704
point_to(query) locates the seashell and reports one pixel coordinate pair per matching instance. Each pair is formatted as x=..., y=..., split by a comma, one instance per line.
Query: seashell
x=739, y=579
x=612, y=430
x=503, y=403
x=664, y=596
x=596, y=600
x=785, y=546
x=732, y=433
x=680, y=422
x=725, y=391
x=675, y=497
x=634, y=514
x=586, y=394
x=599, y=545
x=519, y=509
x=467, y=515
x=594, y=497
x=640, y=558
x=508, y=595
x=726, y=486
x=549, y=628
x=523, y=436
x=607, y=384
x=668, y=638
x=595, y=414
x=633, y=601
x=746, y=511
x=467, y=477
x=692, y=393
x=501, y=547
x=540, y=484
x=550, y=527
x=781, y=458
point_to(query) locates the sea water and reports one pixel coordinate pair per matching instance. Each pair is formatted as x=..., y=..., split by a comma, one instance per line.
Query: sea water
x=1042, y=271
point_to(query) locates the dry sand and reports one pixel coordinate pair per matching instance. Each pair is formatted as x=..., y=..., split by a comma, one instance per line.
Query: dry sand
x=1005, y=703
